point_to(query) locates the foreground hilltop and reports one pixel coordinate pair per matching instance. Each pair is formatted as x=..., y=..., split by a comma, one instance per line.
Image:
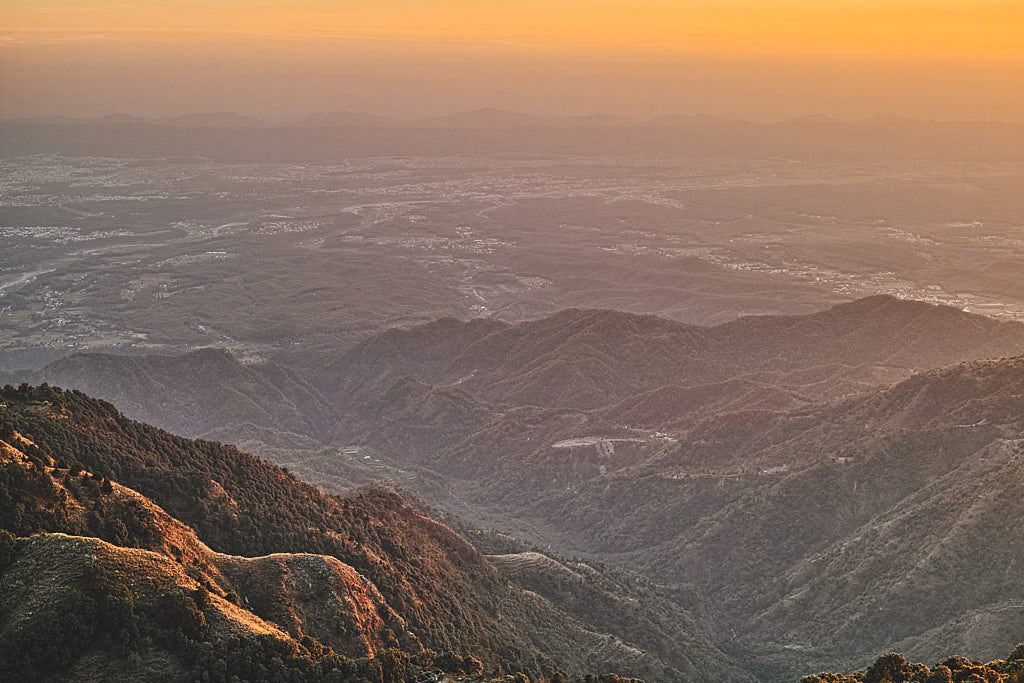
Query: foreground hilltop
x=126, y=547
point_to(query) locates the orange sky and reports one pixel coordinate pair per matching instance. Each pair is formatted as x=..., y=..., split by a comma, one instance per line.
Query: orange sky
x=928, y=41
x=921, y=27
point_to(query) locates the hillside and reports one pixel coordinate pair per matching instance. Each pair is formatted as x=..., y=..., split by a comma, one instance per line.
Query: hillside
x=574, y=360
x=420, y=405
x=269, y=562
x=585, y=359
x=195, y=393
x=830, y=533
x=893, y=667
x=522, y=410
x=744, y=470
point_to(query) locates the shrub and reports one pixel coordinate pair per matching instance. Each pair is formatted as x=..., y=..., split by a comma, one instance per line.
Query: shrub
x=8, y=548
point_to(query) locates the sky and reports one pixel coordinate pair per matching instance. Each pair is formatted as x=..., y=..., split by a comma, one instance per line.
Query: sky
x=751, y=59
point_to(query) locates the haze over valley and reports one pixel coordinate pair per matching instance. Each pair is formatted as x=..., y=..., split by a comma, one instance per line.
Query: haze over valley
x=665, y=363
x=512, y=342
x=158, y=254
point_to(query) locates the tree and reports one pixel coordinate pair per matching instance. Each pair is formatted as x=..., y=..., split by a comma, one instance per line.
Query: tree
x=471, y=666
x=888, y=668
x=181, y=612
x=449, y=662
x=394, y=665
x=8, y=547
x=940, y=674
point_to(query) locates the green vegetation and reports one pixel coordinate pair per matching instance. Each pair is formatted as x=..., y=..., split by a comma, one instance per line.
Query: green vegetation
x=893, y=668
x=72, y=465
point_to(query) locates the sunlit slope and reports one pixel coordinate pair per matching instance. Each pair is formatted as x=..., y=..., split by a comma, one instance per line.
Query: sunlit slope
x=207, y=523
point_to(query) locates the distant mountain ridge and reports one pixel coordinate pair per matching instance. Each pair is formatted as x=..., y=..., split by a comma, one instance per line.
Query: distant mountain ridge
x=481, y=116
x=601, y=357
x=230, y=137
x=343, y=119
x=432, y=397
x=622, y=364
x=197, y=392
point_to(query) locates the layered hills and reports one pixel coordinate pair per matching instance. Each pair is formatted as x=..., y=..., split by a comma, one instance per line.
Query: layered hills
x=804, y=492
x=649, y=370
x=588, y=359
x=885, y=521
x=123, y=541
x=196, y=394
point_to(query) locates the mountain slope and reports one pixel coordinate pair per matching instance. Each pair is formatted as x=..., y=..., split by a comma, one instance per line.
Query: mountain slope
x=585, y=359
x=521, y=410
x=751, y=467
x=78, y=596
x=832, y=533
x=421, y=391
x=194, y=393
x=356, y=575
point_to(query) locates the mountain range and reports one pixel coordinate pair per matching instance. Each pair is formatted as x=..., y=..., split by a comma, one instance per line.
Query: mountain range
x=190, y=558
x=230, y=137
x=744, y=470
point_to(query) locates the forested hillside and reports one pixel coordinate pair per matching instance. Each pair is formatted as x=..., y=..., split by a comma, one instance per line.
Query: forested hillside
x=802, y=492
x=200, y=554
x=894, y=668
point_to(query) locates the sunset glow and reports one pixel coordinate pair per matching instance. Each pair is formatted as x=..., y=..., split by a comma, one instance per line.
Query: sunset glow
x=512, y=341
x=983, y=29
x=952, y=45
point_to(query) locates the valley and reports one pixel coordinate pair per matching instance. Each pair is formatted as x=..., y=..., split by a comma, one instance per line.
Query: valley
x=158, y=255
x=735, y=465
x=718, y=404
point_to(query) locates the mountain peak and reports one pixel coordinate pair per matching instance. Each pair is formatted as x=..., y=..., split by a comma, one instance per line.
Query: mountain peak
x=487, y=117
x=342, y=119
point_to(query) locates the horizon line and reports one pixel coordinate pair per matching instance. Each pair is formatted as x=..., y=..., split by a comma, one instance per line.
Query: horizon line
x=529, y=119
